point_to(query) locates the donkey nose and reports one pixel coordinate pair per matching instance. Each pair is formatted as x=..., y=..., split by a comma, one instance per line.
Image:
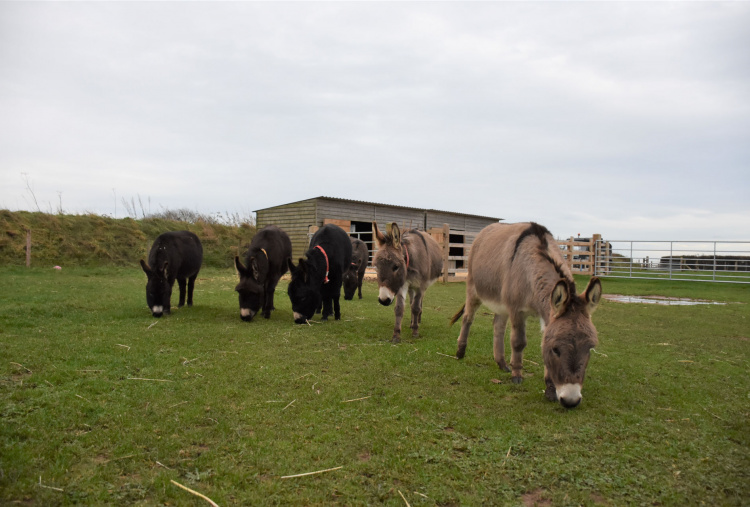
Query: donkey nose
x=385, y=302
x=570, y=403
x=246, y=314
x=569, y=395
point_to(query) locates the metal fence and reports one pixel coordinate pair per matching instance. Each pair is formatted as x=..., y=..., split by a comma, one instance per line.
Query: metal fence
x=702, y=261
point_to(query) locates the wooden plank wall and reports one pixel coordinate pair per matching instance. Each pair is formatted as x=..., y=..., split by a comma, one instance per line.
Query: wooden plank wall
x=366, y=212
x=295, y=219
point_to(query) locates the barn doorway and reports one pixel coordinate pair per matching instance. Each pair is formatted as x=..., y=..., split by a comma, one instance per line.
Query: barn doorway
x=363, y=231
x=456, y=252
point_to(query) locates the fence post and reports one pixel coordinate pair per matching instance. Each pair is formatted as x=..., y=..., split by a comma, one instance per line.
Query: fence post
x=715, y=265
x=446, y=251
x=28, y=248
x=593, y=268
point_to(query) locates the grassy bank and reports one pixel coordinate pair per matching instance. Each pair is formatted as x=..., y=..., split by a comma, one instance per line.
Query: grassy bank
x=102, y=404
x=93, y=240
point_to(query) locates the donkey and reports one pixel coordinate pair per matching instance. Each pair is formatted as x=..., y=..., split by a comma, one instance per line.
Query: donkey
x=518, y=270
x=174, y=255
x=266, y=262
x=317, y=278
x=407, y=263
x=356, y=272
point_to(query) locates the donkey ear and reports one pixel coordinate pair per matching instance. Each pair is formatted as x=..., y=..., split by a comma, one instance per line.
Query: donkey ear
x=254, y=268
x=290, y=265
x=593, y=294
x=559, y=298
x=302, y=268
x=164, y=269
x=378, y=235
x=241, y=270
x=396, y=235
x=145, y=267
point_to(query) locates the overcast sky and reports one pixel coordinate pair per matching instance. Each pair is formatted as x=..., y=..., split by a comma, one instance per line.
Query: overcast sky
x=631, y=120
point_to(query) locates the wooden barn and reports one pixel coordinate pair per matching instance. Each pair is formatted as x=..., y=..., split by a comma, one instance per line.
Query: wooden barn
x=300, y=219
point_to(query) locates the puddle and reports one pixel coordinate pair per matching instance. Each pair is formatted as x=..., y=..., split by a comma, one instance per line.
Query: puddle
x=660, y=300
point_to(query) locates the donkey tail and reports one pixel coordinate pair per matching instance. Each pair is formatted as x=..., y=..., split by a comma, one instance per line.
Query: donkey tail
x=458, y=315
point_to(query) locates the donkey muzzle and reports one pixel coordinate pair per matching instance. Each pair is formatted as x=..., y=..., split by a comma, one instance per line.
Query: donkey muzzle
x=385, y=296
x=246, y=314
x=386, y=301
x=569, y=395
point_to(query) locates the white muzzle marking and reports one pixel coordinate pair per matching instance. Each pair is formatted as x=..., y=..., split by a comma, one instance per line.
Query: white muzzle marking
x=571, y=393
x=298, y=316
x=246, y=312
x=385, y=293
x=157, y=309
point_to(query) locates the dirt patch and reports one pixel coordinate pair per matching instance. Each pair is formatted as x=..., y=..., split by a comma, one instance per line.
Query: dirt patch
x=535, y=499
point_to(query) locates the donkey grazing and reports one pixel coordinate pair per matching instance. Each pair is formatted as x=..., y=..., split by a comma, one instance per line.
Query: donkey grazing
x=266, y=262
x=518, y=270
x=317, y=278
x=407, y=263
x=356, y=272
x=174, y=255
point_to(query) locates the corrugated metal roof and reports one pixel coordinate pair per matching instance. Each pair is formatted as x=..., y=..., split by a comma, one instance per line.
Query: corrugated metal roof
x=383, y=204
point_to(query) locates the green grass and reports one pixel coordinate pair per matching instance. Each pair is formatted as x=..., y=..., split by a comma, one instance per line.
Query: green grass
x=664, y=418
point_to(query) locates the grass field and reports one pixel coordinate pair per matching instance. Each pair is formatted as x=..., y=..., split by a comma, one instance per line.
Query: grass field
x=102, y=404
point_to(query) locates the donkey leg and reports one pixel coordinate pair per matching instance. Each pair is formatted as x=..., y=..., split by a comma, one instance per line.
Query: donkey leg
x=267, y=305
x=190, y=288
x=337, y=306
x=416, y=312
x=181, y=282
x=498, y=339
x=399, y=312
x=470, y=308
x=550, y=391
x=517, y=344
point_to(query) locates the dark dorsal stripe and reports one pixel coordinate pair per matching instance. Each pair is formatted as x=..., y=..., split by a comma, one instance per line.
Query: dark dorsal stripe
x=541, y=232
x=416, y=233
x=534, y=229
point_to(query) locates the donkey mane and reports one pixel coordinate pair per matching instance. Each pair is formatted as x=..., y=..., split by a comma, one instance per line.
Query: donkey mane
x=534, y=229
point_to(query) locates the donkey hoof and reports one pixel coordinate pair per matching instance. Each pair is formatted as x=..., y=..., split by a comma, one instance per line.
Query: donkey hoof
x=461, y=352
x=396, y=339
x=516, y=380
x=415, y=334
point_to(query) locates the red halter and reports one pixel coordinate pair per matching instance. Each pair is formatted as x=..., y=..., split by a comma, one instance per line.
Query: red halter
x=325, y=280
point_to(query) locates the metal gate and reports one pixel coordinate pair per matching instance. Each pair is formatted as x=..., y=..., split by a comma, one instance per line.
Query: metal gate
x=698, y=261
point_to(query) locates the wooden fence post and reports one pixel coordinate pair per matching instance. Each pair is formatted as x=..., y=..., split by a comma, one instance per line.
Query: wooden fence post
x=28, y=248
x=446, y=250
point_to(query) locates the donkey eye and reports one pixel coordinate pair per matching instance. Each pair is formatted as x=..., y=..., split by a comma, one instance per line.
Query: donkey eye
x=395, y=268
x=556, y=351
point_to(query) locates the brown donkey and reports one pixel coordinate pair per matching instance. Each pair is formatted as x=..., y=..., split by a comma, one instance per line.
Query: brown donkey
x=517, y=270
x=407, y=263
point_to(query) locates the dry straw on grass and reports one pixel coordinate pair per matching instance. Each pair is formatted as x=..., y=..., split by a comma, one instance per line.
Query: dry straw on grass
x=200, y=495
x=312, y=473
